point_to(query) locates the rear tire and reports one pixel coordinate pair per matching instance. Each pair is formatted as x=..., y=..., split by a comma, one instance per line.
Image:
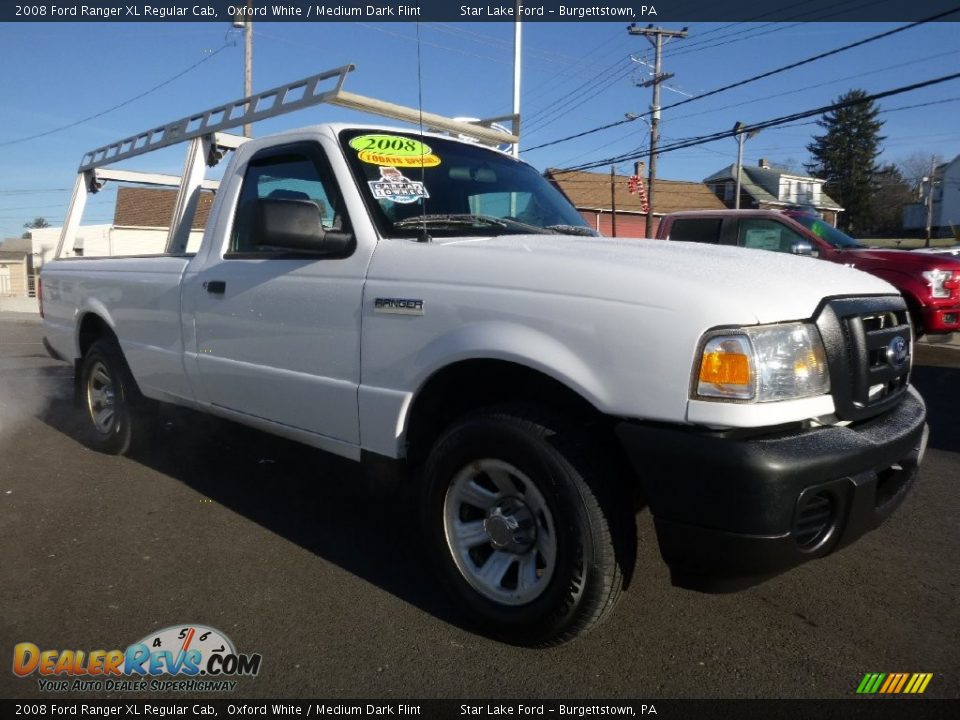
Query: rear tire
x=115, y=410
x=530, y=531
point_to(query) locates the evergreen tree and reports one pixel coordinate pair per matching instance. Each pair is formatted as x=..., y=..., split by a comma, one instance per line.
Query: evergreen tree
x=845, y=155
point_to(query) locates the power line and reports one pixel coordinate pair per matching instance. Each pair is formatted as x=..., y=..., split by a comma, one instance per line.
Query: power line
x=577, y=91
x=783, y=120
x=119, y=105
x=761, y=76
x=832, y=81
x=535, y=123
x=775, y=27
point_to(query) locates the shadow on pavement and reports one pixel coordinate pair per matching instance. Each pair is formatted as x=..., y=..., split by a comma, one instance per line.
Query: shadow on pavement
x=319, y=501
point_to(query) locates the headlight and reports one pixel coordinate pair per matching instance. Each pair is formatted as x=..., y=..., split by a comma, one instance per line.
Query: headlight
x=940, y=282
x=763, y=364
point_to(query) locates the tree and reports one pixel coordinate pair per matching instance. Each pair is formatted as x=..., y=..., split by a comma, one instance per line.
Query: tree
x=891, y=192
x=35, y=224
x=916, y=166
x=845, y=156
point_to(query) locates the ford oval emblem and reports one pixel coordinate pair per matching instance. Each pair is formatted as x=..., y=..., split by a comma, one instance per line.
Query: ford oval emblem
x=897, y=351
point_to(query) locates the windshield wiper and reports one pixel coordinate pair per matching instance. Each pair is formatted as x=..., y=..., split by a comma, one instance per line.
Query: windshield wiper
x=456, y=220
x=470, y=219
x=572, y=230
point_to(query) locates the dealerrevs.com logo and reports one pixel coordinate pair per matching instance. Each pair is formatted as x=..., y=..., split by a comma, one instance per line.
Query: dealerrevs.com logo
x=197, y=658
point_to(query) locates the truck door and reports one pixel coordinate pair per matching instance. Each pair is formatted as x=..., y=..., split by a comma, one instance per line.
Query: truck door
x=278, y=331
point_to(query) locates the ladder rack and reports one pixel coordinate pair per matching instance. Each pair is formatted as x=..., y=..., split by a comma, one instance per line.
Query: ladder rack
x=210, y=143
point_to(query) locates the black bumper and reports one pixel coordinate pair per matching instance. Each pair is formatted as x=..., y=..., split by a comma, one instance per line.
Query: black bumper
x=730, y=512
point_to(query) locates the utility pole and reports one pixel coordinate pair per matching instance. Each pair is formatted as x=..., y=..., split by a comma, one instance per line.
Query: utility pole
x=613, y=202
x=933, y=169
x=655, y=36
x=741, y=138
x=244, y=20
x=517, y=55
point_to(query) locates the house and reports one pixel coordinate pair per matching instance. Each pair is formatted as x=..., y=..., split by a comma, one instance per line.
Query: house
x=590, y=194
x=16, y=268
x=945, y=218
x=141, y=221
x=766, y=187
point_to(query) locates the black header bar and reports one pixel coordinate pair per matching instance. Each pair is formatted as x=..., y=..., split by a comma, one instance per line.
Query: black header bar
x=627, y=11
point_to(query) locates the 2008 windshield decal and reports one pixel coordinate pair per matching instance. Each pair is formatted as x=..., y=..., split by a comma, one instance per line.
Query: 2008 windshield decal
x=393, y=150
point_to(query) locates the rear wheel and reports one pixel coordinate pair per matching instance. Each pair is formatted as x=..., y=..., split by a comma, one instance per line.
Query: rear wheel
x=527, y=526
x=113, y=405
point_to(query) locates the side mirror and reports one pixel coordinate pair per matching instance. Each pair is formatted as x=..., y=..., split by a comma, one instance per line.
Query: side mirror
x=803, y=247
x=295, y=225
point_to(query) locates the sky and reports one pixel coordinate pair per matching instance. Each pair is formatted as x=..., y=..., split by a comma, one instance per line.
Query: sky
x=575, y=77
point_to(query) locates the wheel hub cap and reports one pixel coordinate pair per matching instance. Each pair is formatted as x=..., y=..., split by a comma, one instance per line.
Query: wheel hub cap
x=510, y=526
x=500, y=532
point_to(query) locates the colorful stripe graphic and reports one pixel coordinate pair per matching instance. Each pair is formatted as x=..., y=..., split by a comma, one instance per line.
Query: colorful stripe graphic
x=894, y=683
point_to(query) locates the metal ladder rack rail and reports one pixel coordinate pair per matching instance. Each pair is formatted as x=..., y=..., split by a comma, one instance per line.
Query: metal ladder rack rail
x=208, y=143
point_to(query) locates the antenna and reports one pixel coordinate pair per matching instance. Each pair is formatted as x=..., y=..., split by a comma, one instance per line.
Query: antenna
x=424, y=236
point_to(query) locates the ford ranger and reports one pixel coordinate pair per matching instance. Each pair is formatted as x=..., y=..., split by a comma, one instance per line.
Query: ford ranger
x=433, y=306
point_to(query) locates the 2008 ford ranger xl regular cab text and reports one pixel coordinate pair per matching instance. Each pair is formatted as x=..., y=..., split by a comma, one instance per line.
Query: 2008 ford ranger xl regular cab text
x=434, y=305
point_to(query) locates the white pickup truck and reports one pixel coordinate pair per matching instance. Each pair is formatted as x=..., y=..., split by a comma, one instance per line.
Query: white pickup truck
x=434, y=306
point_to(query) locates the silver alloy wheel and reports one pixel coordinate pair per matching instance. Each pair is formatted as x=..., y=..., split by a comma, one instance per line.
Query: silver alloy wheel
x=500, y=532
x=100, y=398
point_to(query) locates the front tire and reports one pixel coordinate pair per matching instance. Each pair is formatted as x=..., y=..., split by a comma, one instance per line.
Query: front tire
x=113, y=405
x=528, y=526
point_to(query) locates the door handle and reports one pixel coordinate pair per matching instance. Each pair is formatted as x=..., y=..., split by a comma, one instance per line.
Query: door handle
x=217, y=287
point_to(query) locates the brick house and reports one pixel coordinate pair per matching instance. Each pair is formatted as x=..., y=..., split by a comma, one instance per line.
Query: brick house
x=590, y=194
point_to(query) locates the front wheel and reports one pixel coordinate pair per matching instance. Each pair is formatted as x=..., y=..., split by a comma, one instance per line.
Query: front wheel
x=527, y=526
x=110, y=398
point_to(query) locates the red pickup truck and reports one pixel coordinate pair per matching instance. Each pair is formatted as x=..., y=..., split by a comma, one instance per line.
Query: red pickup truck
x=929, y=282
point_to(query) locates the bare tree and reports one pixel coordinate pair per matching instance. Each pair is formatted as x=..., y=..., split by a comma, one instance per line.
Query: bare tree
x=916, y=166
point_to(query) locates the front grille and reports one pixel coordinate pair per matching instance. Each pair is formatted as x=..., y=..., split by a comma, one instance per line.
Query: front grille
x=868, y=344
x=814, y=520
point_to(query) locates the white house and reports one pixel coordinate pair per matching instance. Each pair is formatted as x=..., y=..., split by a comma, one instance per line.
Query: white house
x=945, y=220
x=771, y=188
x=140, y=225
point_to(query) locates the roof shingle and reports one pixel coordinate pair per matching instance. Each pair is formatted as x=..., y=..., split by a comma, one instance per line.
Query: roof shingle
x=592, y=190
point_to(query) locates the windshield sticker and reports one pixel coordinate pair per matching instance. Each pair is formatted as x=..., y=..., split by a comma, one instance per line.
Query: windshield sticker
x=394, y=187
x=393, y=150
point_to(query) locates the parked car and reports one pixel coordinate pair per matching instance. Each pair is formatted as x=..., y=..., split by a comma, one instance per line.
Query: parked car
x=929, y=282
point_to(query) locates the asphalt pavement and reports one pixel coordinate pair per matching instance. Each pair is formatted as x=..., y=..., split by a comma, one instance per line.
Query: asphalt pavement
x=292, y=555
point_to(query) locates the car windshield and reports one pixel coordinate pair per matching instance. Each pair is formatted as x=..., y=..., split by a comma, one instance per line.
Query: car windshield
x=826, y=231
x=444, y=188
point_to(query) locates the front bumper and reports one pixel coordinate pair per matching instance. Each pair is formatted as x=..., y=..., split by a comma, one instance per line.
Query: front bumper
x=730, y=512
x=938, y=320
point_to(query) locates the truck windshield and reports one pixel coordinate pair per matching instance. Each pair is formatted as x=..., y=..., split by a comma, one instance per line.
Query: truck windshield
x=415, y=184
x=826, y=231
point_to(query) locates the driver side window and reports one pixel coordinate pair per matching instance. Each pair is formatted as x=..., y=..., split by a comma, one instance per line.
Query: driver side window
x=294, y=176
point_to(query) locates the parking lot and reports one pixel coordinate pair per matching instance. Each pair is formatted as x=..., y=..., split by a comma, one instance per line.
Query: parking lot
x=289, y=553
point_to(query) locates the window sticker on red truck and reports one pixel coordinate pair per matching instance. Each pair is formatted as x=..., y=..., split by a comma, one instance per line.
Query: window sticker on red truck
x=394, y=187
x=393, y=150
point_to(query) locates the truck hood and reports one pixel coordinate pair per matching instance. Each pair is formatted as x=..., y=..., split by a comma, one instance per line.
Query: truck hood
x=744, y=286
x=904, y=260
